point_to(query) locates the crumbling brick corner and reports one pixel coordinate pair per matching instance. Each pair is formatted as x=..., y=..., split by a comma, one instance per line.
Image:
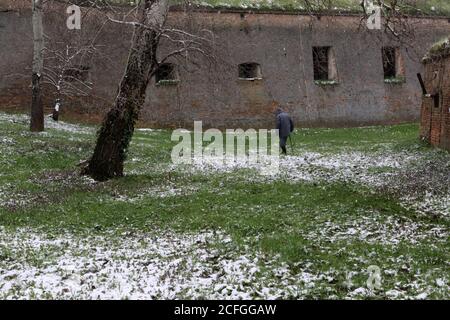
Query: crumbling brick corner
x=435, y=113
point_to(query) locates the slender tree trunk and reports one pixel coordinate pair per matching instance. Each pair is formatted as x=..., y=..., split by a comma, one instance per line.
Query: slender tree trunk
x=37, y=109
x=118, y=126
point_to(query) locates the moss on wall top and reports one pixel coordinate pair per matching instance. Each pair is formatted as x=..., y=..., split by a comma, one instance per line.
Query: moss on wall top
x=440, y=49
x=416, y=7
x=412, y=7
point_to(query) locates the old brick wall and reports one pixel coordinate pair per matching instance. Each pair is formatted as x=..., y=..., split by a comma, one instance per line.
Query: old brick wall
x=435, y=114
x=280, y=43
x=16, y=52
x=445, y=118
x=425, y=118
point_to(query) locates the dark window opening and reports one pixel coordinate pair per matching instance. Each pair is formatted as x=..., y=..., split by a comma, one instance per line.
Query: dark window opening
x=321, y=63
x=389, y=62
x=250, y=71
x=76, y=74
x=437, y=101
x=166, y=72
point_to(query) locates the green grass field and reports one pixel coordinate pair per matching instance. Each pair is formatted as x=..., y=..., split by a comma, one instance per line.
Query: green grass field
x=346, y=199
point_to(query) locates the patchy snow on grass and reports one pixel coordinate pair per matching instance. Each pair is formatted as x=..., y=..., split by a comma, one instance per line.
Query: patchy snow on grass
x=148, y=130
x=7, y=141
x=156, y=192
x=168, y=265
x=68, y=127
x=11, y=199
x=14, y=197
x=387, y=170
x=349, y=166
x=376, y=229
x=434, y=204
x=312, y=166
x=159, y=265
x=14, y=118
x=49, y=123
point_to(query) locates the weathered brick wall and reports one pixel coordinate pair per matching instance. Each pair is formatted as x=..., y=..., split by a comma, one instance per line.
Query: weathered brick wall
x=281, y=44
x=436, y=126
x=445, y=89
x=16, y=52
x=425, y=118
x=435, y=114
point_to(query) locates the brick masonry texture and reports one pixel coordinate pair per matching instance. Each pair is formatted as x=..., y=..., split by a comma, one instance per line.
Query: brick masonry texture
x=280, y=43
x=435, y=114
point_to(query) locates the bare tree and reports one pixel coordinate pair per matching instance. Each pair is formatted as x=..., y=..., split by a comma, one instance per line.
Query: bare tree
x=69, y=58
x=396, y=18
x=143, y=61
x=37, y=109
x=66, y=71
x=60, y=65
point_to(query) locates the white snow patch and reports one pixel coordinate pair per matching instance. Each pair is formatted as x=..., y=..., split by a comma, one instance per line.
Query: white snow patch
x=49, y=123
x=375, y=228
x=159, y=265
x=371, y=169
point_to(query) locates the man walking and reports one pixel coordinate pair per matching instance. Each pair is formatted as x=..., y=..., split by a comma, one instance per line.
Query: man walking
x=285, y=125
x=55, y=114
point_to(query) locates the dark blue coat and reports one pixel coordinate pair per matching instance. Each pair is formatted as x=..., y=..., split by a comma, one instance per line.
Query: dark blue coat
x=284, y=124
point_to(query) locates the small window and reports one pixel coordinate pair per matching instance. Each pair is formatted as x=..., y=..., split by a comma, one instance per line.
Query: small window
x=324, y=63
x=76, y=74
x=320, y=56
x=166, y=74
x=250, y=71
x=436, y=100
x=389, y=66
x=392, y=64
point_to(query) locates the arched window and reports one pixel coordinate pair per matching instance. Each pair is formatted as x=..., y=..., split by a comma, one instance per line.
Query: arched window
x=166, y=73
x=250, y=71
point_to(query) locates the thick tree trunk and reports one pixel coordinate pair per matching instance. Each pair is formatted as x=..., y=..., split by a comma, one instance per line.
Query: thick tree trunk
x=118, y=126
x=37, y=109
